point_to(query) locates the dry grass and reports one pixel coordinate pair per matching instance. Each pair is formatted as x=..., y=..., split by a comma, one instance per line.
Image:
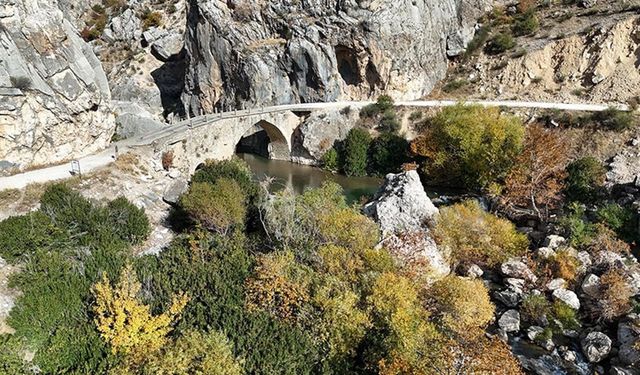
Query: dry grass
x=130, y=163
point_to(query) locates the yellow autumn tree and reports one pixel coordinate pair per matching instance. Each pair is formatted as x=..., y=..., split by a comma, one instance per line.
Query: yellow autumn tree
x=125, y=323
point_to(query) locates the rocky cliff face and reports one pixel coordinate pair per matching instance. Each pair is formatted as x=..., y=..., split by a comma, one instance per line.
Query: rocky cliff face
x=244, y=52
x=54, y=96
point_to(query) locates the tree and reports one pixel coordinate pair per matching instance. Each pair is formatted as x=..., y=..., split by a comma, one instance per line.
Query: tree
x=476, y=236
x=125, y=323
x=410, y=342
x=276, y=287
x=217, y=207
x=387, y=153
x=196, y=353
x=356, y=146
x=536, y=181
x=129, y=221
x=470, y=146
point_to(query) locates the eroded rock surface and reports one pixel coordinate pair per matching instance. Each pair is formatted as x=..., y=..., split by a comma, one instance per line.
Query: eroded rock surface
x=54, y=95
x=244, y=53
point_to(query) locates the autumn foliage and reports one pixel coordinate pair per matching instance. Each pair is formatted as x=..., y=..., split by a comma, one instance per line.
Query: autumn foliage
x=128, y=325
x=536, y=181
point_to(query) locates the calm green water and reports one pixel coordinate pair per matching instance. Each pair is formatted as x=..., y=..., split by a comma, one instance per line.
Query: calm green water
x=299, y=177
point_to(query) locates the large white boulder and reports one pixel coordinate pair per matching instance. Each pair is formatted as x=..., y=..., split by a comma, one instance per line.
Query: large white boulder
x=401, y=204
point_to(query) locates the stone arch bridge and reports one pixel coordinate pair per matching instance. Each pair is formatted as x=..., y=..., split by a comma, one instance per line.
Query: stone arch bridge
x=213, y=137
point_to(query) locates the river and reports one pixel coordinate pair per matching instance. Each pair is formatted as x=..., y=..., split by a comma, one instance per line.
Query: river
x=299, y=177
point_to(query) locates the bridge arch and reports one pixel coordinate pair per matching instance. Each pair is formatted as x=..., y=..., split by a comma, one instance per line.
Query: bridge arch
x=266, y=139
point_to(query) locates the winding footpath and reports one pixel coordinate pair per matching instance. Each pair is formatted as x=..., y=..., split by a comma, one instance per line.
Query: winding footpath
x=103, y=158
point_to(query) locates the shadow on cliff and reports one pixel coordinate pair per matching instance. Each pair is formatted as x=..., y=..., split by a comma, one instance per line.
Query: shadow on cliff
x=170, y=81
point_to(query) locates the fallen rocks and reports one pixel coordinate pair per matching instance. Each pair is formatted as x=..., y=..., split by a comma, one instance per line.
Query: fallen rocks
x=596, y=346
x=591, y=285
x=568, y=297
x=518, y=269
x=174, y=190
x=510, y=321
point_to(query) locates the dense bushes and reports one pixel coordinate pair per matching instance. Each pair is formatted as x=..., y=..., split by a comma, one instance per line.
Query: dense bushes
x=356, y=147
x=359, y=155
x=537, y=178
x=500, y=43
x=475, y=236
x=614, y=119
x=585, y=177
x=65, y=247
x=309, y=293
x=387, y=153
x=469, y=146
x=217, y=207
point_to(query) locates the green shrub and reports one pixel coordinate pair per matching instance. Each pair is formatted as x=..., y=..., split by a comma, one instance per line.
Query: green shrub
x=389, y=122
x=210, y=266
x=331, y=160
x=385, y=103
x=526, y=23
x=67, y=208
x=356, y=146
x=455, y=85
x=128, y=221
x=500, y=43
x=476, y=236
x=615, y=119
x=534, y=308
x=621, y=220
x=585, y=178
x=576, y=226
x=218, y=207
x=469, y=146
x=387, y=153
x=478, y=41
x=370, y=110
x=567, y=316
x=21, y=235
x=235, y=169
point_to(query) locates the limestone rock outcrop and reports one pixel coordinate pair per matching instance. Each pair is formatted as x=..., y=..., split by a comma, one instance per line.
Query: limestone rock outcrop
x=54, y=95
x=403, y=210
x=247, y=53
x=401, y=204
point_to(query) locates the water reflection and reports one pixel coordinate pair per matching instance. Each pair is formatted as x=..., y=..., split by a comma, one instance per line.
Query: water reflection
x=299, y=177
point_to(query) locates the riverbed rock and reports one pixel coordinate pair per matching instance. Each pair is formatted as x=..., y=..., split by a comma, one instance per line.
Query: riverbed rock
x=473, y=271
x=510, y=297
x=545, y=252
x=554, y=241
x=266, y=53
x=510, y=321
x=401, y=204
x=554, y=284
x=54, y=95
x=518, y=269
x=591, y=286
x=533, y=332
x=568, y=297
x=596, y=346
x=628, y=334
